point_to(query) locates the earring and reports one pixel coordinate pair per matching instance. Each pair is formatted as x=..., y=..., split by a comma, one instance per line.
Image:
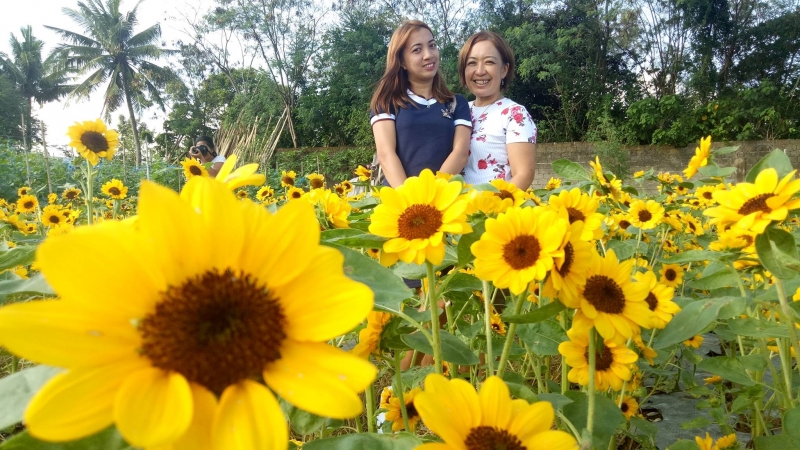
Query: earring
x=503, y=82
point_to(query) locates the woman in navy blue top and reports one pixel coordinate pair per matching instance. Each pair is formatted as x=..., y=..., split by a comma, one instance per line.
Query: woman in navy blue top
x=417, y=121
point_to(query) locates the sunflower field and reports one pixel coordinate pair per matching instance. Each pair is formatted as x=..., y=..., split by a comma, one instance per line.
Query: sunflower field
x=436, y=315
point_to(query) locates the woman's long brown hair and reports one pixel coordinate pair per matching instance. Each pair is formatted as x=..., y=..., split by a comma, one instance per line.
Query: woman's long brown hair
x=393, y=87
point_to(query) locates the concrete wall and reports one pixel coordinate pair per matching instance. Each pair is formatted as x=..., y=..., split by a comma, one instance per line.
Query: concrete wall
x=660, y=158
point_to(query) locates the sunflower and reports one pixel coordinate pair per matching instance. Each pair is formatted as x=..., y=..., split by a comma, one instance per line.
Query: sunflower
x=363, y=173
x=645, y=352
x=287, y=178
x=645, y=215
x=693, y=225
x=348, y=186
x=497, y=324
x=52, y=197
x=24, y=190
x=243, y=176
x=395, y=415
x=415, y=217
x=265, y=193
x=71, y=194
x=553, y=183
x=386, y=396
x=629, y=406
x=569, y=271
x=611, y=301
x=93, y=140
x=242, y=194
x=27, y=204
x=580, y=207
x=333, y=208
x=638, y=174
x=489, y=419
x=705, y=195
x=316, y=181
x=725, y=442
x=753, y=206
x=694, y=342
x=598, y=170
x=339, y=189
x=369, y=338
x=659, y=299
x=519, y=246
x=508, y=192
x=193, y=168
x=115, y=189
x=699, y=159
x=706, y=443
x=295, y=193
x=713, y=379
x=671, y=275
x=486, y=202
x=613, y=361
x=52, y=218
x=189, y=332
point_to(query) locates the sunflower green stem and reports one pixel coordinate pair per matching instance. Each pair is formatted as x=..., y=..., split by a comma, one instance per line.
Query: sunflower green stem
x=370, y=399
x=512, y=330
x=562, y=319
x=487, y=313
x=789, y=315
x=434, y=307
x=591, y=393
x=89, y=193
x=399, y=384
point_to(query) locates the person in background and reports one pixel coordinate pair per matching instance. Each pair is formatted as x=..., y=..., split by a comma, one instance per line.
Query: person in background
x=418, y=123
x=503, y=142
x=205, y=152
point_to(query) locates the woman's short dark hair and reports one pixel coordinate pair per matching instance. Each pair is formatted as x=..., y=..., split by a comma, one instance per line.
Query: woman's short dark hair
x=208, y=139
x=506, y=54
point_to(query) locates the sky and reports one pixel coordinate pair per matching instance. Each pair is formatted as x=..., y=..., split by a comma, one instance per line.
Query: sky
x=58, y=116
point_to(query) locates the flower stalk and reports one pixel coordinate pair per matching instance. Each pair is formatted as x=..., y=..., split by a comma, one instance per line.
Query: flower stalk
x=487, y=314
x=590, y=388
x=398, y=381
x=512, y=329
x=436, y=342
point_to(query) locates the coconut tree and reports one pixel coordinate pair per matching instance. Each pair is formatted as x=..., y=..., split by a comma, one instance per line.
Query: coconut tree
x=108, y=52
x=35, y=79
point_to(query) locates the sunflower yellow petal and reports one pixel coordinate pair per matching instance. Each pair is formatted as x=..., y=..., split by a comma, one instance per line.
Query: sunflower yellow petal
x=449, y=408
x=552, y=440
x=198, y=435
x=532, y=421
x=495, y=403
x=248, y=417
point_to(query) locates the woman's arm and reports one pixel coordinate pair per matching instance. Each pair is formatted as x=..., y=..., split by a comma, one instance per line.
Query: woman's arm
x=522, y=159
x=215, y=168
x=386, y=145
x=458, y=158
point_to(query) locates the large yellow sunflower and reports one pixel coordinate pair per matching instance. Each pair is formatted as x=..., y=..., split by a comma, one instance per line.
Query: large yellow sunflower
x=519, y=246
x=659, y=299
x=508, y=192
x=580, y=207
x=705, y=195
x=115, y=189
x=192, y=168
x=93, y=140
x=332, y=207
x=265, y=194
x=316, y=181
x=243, y=176
x=699, y=159
x=569, y=273
x=369, y=339
x=71, y=194
x=645, y=215
x=490, y=419
x=752, y=206
x=363, y=173
x=486, y=202
x=613, y=361
x=24, y=190
x=415, y=217
x=27, y=204
x=53, y=217
x=294, y=193
x=173, y=349
x=611, y=301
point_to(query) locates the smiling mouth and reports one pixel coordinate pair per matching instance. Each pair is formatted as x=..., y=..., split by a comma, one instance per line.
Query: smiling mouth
x=481, y=82
x=429, y=66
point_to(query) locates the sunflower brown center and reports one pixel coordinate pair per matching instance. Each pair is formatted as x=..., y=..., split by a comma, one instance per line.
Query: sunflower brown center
x=603, y=358
x=114, y=191
x=195, y=170
x=28, y=205
x=419, y=222
x=216, y=329
x=575, y=215
x=316, y=183
x=644, y=215
x=569, y=256
x=604, y=294
x=411, y=411
x=339, y=190
x=504, y=194
x=94, y=141
x=624, y=224
x=71, y=195
x=652, y=301
x=490, y=438
x=297, y=194
x=522, y=252
x=757, y=203
x=747, y=238
x=708, y=195
x=288, y=180
x=624, y=407
x=670, y=274
x=54, y=219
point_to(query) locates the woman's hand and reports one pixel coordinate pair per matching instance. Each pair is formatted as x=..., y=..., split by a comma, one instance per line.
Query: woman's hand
x=522, y=162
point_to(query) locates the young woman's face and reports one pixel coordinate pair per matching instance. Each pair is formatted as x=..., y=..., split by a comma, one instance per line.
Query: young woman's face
x=421, y=56
x=485, y=71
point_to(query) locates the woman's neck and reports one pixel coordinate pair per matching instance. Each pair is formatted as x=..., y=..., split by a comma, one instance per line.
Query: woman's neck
x=486, y=101
x=424, y=90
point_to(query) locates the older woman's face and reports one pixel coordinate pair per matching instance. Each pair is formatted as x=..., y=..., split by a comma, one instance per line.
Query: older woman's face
x=485, y=71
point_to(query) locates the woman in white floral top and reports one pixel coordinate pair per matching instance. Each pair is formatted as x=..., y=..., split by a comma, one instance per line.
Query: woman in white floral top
x=503, y=143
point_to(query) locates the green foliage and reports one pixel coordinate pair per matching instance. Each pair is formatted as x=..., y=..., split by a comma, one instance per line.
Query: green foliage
x=336, y=165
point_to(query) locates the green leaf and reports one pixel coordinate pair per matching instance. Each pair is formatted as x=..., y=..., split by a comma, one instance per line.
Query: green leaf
x=35, y=285
x=537, y=315
x=727, y=367
x=694, y=256
x=465, y=255
x=607, y=416
x=519, y=390
x=724, y=150
x=777, y=160
x=775, y=442
x=351, y=237
x=17, y=389
x=303, y=422
x=623, y=249
x=716, y=171
x=646, y=426
x=569, y=170
x=791, y=424
x=691, y=320
x=720, y=279
x=542, y=338
x=390, y=291
x=461, y=282
x=756, y=328
x=777, y=251
x=108, y=439
x=697, y=422
x=683, y=444
x=17, y=256
x=557, y=400
x=366, y=441
x=453, y=349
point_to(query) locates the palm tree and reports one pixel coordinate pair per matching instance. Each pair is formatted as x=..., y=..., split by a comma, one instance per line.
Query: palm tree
x=109, y=52
x=37, y=80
